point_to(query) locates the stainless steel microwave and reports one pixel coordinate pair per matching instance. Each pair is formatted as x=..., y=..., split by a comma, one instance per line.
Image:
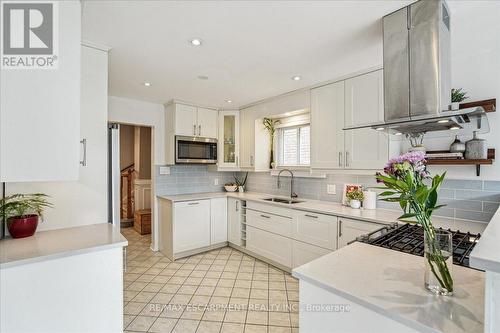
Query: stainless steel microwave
x=195, y=150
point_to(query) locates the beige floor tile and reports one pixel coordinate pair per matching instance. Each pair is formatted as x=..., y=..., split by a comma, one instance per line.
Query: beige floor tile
x=133, y=308
x=127, y=319
x=258, y=304
x=141, y=323
x=213, y=275
x=209, y=282
x=228, y=275
x=170, y=288
x=194, y=313
x=197, y=274
x=232, y=328
x=152, y=310
x=226, y=283
x=277, y=285
x=137, y=286
x=177, y=279
x=279, y=329
x=294, y=319
x=195, y=281
x=186, y=326
x=260, y=284
x=153, y=287
x=293, y=295
x=209, y=327
x=161, y=279
x=279, y=319
x=261, y=276
x=235, y=316
x=128, y=295
x=173, y=311
x=242, y=283
x=259, y=293
x=205, y=290
x=161, y=298
x=219, y=300
x=187, y=289
x=249, y=328
x=240, y=292
x=222, y=291
x=180, y=299
x=144, y=296
x=214, y=315
x=163, y=325
x=257, y=317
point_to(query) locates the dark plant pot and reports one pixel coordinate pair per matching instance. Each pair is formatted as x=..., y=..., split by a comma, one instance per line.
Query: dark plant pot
x=22, y=227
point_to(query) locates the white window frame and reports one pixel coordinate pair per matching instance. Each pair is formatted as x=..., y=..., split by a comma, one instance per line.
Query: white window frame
x=278, y=158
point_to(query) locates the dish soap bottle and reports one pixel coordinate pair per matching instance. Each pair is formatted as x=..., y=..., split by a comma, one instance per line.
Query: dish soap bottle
x=476, y=148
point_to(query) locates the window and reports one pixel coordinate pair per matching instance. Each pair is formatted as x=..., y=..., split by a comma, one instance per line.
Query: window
x=293, y=146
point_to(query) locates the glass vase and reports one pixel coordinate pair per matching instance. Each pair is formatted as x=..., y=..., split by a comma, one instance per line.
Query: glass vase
x=438, y=261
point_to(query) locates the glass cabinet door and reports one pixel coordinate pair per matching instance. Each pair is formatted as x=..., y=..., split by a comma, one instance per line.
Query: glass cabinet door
x=229, y=123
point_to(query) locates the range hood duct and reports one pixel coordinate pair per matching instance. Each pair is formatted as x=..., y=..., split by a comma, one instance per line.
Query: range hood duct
x=417, y=73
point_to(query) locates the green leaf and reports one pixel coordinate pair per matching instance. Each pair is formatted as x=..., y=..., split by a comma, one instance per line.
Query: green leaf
x=386, y=193
x=407, y=215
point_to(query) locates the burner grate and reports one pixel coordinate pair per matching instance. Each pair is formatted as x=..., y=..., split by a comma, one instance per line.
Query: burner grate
x=409, y=238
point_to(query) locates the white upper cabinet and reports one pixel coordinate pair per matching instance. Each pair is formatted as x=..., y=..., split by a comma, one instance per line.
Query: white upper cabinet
x=364, y=104
x=327, y=121
x=229, y=139
x=40, y=112
x=185, y=120
x=207, y=123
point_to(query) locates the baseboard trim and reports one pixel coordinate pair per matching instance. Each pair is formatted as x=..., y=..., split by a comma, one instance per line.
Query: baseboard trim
x=261, y=258
x=188, y=253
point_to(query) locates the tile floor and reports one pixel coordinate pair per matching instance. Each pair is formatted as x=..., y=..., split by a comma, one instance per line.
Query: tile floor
x=222, y=290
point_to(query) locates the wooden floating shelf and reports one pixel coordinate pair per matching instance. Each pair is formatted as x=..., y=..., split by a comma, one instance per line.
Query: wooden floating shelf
x=489, y=105
x=477, y=163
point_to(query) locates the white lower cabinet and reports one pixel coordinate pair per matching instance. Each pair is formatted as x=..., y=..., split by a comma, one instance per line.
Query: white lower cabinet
x=234, y=221
x=302, y=253
x=350, y=229
x=218, y=220
x=277, y=224
x=269, y=245
x=317, y=229
x=191, y=229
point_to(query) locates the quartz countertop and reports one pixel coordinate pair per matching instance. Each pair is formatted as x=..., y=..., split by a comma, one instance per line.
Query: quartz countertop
x=51, y=244
x=391, y=283
x=384, y=216
x=486, y=254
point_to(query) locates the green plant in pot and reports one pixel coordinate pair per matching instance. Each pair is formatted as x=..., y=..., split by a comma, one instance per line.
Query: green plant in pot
x=241, y=183
x=355, y=197
x=270, y=125
x=22, y=211
x=457, y=96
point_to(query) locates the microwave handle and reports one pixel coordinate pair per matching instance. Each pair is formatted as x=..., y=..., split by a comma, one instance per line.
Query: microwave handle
x=194, y=129
x=199, y=130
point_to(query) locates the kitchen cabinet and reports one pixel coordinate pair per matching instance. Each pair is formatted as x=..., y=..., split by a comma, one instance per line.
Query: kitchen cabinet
x=302, y=253
x=269, y=245
x=185, y=120
x=317, y=229
x=207, y=122
x=229, y=139
x=280, y=225
x=191, y=225
x=349, y=230
x=234, y=207
x=255, y=141
x=40, y=112
x=355, y=101
x=218, y=220
x=327, y=122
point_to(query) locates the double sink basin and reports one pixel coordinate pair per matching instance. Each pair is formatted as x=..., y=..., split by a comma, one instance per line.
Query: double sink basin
x=282, y=200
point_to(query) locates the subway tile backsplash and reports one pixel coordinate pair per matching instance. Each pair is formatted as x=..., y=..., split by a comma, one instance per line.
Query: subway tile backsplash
x=465, y=199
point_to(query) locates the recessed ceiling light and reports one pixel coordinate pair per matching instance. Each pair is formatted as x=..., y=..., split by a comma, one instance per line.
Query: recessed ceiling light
x=202, y=77
x=296, y=78
x=379, y=128
x=147, y=84
x=443, y=121
x=195, y=42
x=228, y=101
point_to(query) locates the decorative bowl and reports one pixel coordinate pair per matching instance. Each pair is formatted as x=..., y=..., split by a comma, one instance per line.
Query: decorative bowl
x=230, y=188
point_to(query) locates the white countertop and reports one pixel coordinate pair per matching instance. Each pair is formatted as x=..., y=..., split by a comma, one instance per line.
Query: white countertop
x=51, y=244
x=486, y=254
x=392, y=283
x=331, y=208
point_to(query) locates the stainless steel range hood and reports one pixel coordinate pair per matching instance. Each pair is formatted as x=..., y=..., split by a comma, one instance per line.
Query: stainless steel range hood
x=417, y=73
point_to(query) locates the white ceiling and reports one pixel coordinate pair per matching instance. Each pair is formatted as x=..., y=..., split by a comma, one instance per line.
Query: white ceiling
x=250, y=50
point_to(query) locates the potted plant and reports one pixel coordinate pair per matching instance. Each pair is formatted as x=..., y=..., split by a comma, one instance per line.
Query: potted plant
x=270, y=125
x=405, y=179
x=355, y=197
x=22, y=211
x=457, y=96
x=241, y=184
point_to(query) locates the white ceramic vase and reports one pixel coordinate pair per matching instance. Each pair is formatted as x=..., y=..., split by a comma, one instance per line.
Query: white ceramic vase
x=356, y=204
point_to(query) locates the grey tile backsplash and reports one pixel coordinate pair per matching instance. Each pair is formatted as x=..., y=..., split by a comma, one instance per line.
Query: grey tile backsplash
x=465, y=199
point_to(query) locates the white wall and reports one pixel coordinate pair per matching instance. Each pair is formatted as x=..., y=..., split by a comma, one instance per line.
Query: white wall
x=131, y=111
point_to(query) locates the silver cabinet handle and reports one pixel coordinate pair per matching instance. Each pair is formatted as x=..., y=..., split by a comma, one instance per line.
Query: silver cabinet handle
x=237, y=205
x=125, y=259
x=340, y=158
x=194, y=129
x=340, y=228
x=236, y=161
x=83, y=162
x=193, y=203
x=251, y=160
x=265, y=216
x=311, y=216
x=347, y=158
x=199, y=130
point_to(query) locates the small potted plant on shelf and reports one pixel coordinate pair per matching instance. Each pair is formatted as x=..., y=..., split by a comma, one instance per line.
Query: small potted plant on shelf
x=241, y=184
x=270, y=125
x=22, y=212
x=457, y=96
x=355, y=197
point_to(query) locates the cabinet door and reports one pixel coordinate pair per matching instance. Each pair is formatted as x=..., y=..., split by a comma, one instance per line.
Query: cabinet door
x=207, y=123
x=229, y=139
x=234, y=221
x=185, y=120
x=218, y=220
x=40, y=112
x=191, y=225
x=327, y=122
x=317, y=229
x=349, y=230
x=364, y=104
x=269, y=245
x=303, y=253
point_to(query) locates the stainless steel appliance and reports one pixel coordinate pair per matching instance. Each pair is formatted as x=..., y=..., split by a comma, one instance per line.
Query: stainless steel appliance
x=195, y=150
x=417, y=73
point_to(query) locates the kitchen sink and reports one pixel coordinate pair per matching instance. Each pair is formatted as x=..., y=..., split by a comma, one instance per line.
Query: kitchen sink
x=281, y=200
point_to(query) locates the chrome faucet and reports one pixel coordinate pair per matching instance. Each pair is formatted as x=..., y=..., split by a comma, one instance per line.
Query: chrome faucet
x=292, y=194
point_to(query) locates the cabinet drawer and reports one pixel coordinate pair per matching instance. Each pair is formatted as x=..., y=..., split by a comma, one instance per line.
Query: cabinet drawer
x=270, y=222
x=266, y=208
x=269, y=245
x=317, y=229
x=303, y=253
x=350, y=229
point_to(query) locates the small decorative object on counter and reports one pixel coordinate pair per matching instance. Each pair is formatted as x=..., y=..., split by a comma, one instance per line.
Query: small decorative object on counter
x=270, y=125
x=370, y=199
x=476, y=149
x=416, y=141
x=405, y=179
x=457, y=96
x=231, y=187
x=22, y=212
x=348, y=188
x=457, y=146
x=241, y=184
x=355, y=197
